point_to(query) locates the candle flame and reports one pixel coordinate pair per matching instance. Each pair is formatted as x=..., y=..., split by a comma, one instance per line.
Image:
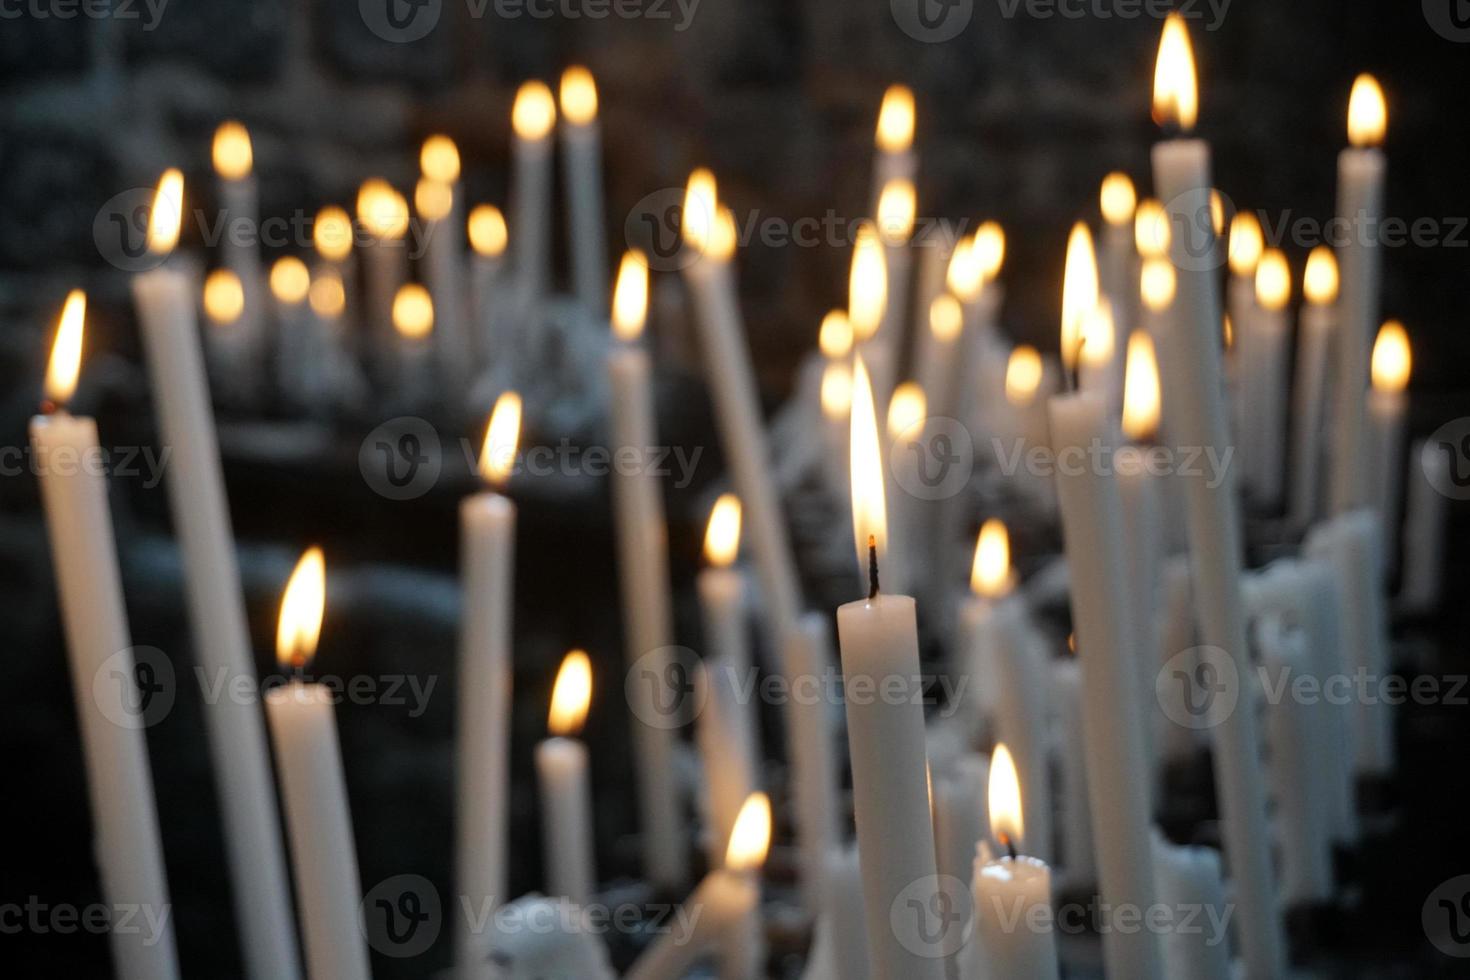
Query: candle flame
x=896, y=120
x=990, y=572
x=1156, y=284
x=1118, y=198
x=534, y=112
x=897, y=207
x=630, y=296
x=722, y=536
x=439, y=159
x=1079, y=292
x=233, y=155
x=166, y=217
x=836, y=391
x=1319, y=283
x=502, y=434
x=1176, y=91
x=906, y=408
x=1392, y=359
x=1217, y=211
x=488, y=234
x=1246, y=243
x=834, y=337
x=65, y=364
x=965, y=276
x=867, y=284
x=433, y=199
x=332, y=234
x=1273, y=280
x=1023, y=375
x=946, y=318
x=701, y=202
x=1141, y=397
x=224, y=296
x=1151, y=229
x=989, y=249
x=1367, y=112
x=869, y=509
x=327, y=296
x=571, y=695
x=1007, y=824
x=1099, y=335
x=290, y=280
x=750, y=838
x=381, y=209
x=578, y=96
x=413, y=311
x=722, y=246
x=302, y=605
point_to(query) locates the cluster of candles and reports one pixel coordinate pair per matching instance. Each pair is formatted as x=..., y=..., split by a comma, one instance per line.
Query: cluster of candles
x=1154, y=564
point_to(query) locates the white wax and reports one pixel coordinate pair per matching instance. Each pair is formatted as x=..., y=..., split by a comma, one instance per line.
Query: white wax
x=1309, y=411
x=1176, y=635
x=487, y=530
x=1386, y=412
x=1143, y=540
x=125, y=841
x=891, y=165
x=1241, y=380
x=648, y=626
x=899, y=263
x=566, y=819
x=1079, y=861
x=726, y=901
x=486, y=326
x=1118, y=272
x=221, y=637
x=384, y=270
x=240, y=253
x=974, y=658
x=725, y=733
x=961, y=814
x=808, y=654
x=1321, y=614
x=1267, y=406
x=722, y=607
x=885, y=732
x=1108, y=647
x=318, y=821
x=1189, y=362
x=581, y=145
x=1190, y=885
x=1424, y=527
x=1014, y=927
x=302, y=361
x=443, y=273
x=1360, y=176
x=530, y=221
x=843, y=904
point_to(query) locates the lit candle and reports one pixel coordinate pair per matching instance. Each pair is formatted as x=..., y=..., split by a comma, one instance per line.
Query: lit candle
x=1014, y=933
x=1190, y=884
x=1118, y=262
x=164, y=297
x=566, y=797
x=894, y=219
x=835, y=340
x=904, y=427
x=1189, y=356
x=1360, y=177
x=938, y=367
x=1156, y=289
x=880, y=649
x=1392, y=363
x=1027, y=388
x=327, y=297
x=867, y=302
x=382, y=214
x=487, y=532
x=226, y=336
x=234, y=163
x=976, y=285
x=727, y=906
x=642, y=536
x=532, y=117
x=581, y=142
x=894, y=158
x=488, y=238
x=1243, y=254
x=721, y=589
x=414, y=319
x=300, y=356
x=1079, y=865
x=1087, y=332
x=438, y=199
x=1424, y=527
x=313, y=789
x=1265, y=407
x=808, y=654
x=125, y=843
x=1319, y=287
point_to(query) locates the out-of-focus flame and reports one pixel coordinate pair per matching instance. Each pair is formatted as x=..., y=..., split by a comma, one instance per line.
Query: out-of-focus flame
x=290, y=280
x=630, y=296
x=488, y=234
x=439, y=159
x=1118, y=198
x=1156, y=284
x=1023, y=375
x=327, y=296
x=413, y=311
x=1079, y=292
x=65, y=364
x=946, y=318
x=1246, y=243
x=836, y=391
x=750, y=838
x=1141, y=398
x=166, y=217
x=534, y=111
x=989, y=249
x=1367, y=112
x=224, y=297
x=299, y=625
x=834, y=337
x=571, y=695
x=896, y=120
x=867, y=283
x=381, y=210
x=1007, y=824
x=722, y=536
x=1151, y=229
x=906, y=408
x=578, y=96
x=498, y=452
x=1176, y=90
x=1273, y=280
x=990, y=572
x=897, y=208
x=1392, y=359
x=233, y=155
x=1319, y=282
x=965, y=276
x=433, y=199
x=331, y=233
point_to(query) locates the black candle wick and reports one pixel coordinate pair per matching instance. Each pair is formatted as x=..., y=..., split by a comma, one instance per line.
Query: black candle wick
x=872, y=567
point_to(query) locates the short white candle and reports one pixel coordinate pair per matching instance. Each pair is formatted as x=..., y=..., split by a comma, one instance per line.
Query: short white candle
x=415, y=321
x=1309, y=393
x=1190, y=885
x=301, y=361
x=566, y=797
x=581, y=143
x=313, y=790
x=125, y=843
x=382, y=214
x=1387, y=407
x=225, y=338
x=533, y=116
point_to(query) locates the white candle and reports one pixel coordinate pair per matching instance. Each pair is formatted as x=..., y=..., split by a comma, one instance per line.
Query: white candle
x=234, y=161
x=1387, y=406
x=333, y=235
x=894, y=219
x=867, y=305
x=487, y=532
x=1190, y=885
x=721, y=589
x=880, y=651
x=438, y=200
x=727, y=901
x=1268, y=368
x=581, y=142
x=644, y=576
x=237, y=741
x=1156, y=285
x=1360, y=177
x=894, y=157
x=125, y=843
x=1424, y=537
x=532, y=117
x=488, y=238
x=937, y=373
x=327, y=297
x=972, y=277
x=382, y=214
x=1189, y=355
x=1079, y=863
x=911, y=555
x=1244, y=249
x=566, y=797
x=1309, y=408
x=1320, y=611
x=301, y=359
x=313, y=789
x=709, y=230
x=1108, y=644
x=843, y=907
x=1014, y=932
x=415, y=320
x=1027, y=387
x=958, y=790
x=808, y=654
x=225, y=337
x=1118, y=261
x=1177, y=634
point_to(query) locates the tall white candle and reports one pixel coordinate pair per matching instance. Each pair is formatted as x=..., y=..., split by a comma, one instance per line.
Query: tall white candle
x=225, y=338
x=581, y=142
x=867, y=304
x=1424, y=537
x=125, y=843
x=301, y=361
x=313, y=790
x=1189, y=884
x=333, y=235
x=1027, y=387
x=1309, y=392
x=1079, y=862
x=1268, y=368
x=960, y=823
x=644, y=576
x=1387, y=406
x=894, y=157
x=1360, y=178
x=937, y=372
x=237, y=741
x=894, y=219
x=234, y=163
x=1118, y=260
x=1244, y=249
x=1189, y=355
x=566, y=796
x=488, y=239
x=1156, y=286
x=721, y=589
x=808, y=654
x=911, y=556
x=415, y=322
x=880, y=651
x=436, y=199
x=382, y=214
x=532, y=118
x=487, y=531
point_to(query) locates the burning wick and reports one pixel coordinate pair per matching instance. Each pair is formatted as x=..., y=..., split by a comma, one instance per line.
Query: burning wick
x=872, y=567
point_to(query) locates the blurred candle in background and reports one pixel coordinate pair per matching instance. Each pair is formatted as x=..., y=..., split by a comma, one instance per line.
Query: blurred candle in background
x=1387, y=407
x=897, y=206
x=1311, y=391
x=566, y=797
x=894, y=141
x=488, y=239
x=226, y=337
x=1118, y=263
x=332, y=236
x=532, y=118
x=234, y=165
x=414, y=324
x=581, y=143
x=382, y=214
x=1265, y=411
x=867, y=303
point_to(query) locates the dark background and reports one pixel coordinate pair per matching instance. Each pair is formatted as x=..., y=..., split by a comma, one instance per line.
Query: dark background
x=1019, y=118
